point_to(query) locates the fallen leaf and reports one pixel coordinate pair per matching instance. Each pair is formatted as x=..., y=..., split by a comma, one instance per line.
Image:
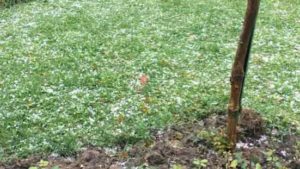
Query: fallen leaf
x=144, y=79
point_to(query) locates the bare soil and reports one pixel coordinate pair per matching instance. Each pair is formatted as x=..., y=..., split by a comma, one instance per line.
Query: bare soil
x=184, y=145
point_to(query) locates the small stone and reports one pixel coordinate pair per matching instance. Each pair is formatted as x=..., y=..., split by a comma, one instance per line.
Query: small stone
x=53, y=156
x=201, y=123
x=115, y=166
x=283, y=153
x=274, y=132
x=69, y=160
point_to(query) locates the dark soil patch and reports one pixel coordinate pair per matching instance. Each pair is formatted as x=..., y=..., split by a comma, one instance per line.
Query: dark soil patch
x=189, y=145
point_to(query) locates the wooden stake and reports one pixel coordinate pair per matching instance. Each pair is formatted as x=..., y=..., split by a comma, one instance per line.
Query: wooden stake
x=239, y=70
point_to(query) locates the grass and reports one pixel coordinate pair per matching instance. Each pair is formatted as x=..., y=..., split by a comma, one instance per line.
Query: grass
x=69, y=70
x=9, y=3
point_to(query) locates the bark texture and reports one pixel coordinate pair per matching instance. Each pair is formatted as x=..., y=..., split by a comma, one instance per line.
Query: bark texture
x=239, y=69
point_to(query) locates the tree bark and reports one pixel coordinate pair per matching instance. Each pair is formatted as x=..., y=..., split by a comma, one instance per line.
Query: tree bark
x=239, y=70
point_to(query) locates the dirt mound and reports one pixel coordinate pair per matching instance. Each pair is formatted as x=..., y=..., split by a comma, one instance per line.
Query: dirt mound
x=199, y=144
x=251, y=124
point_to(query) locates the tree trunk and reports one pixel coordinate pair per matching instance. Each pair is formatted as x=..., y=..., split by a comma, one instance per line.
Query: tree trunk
x=239, y=69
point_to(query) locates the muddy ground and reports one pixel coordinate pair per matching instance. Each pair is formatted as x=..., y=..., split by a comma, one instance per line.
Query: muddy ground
x=198, y=144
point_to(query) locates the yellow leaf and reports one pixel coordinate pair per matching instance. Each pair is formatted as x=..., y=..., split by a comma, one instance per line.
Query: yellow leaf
x=258, y=166
x=43, y=163
x=234, y=164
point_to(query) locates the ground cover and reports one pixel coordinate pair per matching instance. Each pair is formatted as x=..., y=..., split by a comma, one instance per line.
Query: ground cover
x=196, y=144
x=71, y=71
x=9, y=3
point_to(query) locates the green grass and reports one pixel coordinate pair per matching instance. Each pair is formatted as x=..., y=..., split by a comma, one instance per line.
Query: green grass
x=9, y=3
x=69, y=70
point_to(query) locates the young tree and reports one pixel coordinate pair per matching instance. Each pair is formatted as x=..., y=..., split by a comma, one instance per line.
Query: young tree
x=239, y=69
